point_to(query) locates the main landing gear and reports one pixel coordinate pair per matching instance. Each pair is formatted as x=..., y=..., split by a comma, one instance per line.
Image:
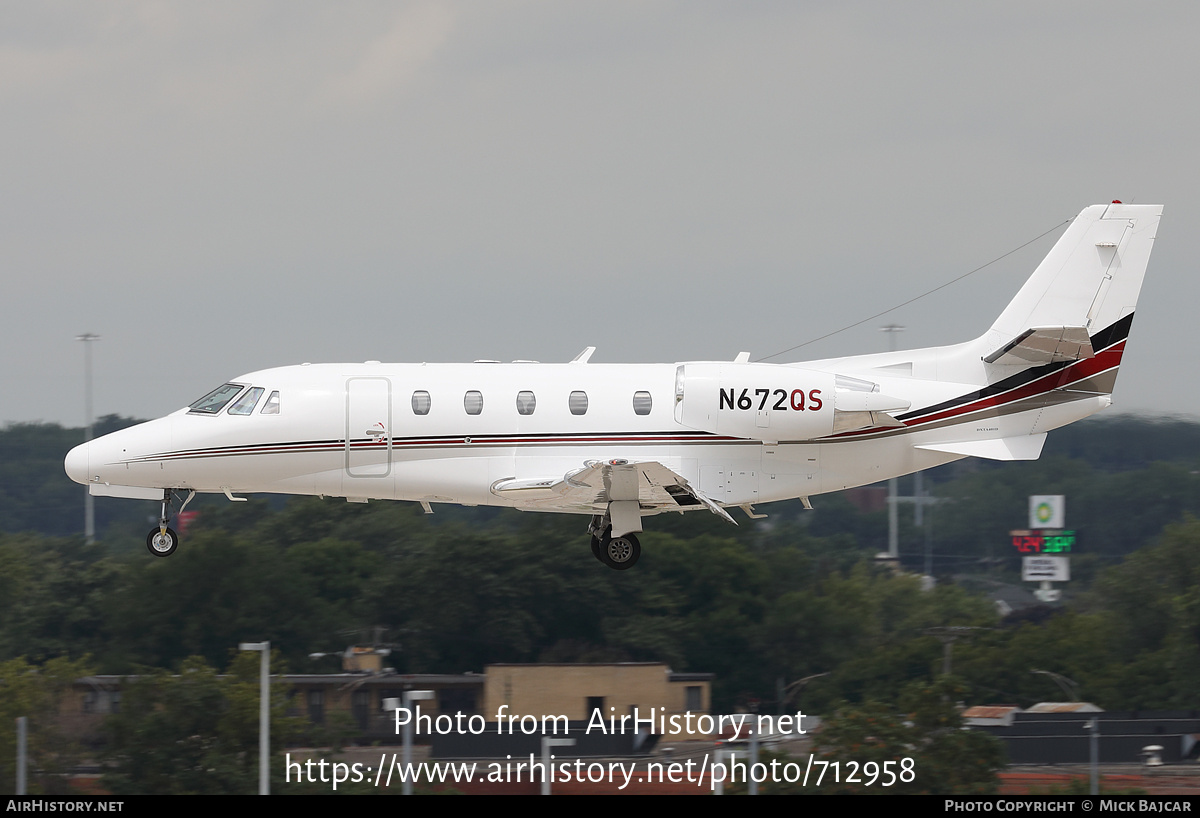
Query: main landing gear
x=162, y=541
x=619, y=553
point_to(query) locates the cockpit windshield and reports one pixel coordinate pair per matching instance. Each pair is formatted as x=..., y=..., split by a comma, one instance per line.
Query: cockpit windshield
x=216, y=400
x=246, y=403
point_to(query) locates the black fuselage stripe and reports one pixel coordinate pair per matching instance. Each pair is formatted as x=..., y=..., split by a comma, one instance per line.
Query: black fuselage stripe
x=1102, y=340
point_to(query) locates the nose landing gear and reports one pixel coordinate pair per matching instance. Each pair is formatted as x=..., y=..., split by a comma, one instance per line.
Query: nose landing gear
x=162, y=541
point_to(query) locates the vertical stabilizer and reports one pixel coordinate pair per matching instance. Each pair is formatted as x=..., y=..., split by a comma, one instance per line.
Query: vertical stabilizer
x=1090, y=279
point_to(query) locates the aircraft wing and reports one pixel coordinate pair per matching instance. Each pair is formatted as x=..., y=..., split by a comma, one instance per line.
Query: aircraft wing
x=601, y=482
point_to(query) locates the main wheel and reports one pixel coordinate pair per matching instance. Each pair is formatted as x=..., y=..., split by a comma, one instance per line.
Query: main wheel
x=160, y=544
x=620, y=553
x=596, y=548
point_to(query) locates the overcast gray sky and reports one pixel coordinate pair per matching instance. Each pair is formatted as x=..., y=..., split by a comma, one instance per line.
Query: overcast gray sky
x=220, y=187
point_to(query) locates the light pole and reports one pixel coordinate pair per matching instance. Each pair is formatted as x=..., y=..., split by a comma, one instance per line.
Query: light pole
x=719, y=761
x=547, y=743
x=411, y=696
x=752, y=783
x=893, y=483
x=1068, y=686
x=948, y=635
x=22, y=727
x=1093, y=725
x=89, y=510
x=264, y=713
x=795, y=687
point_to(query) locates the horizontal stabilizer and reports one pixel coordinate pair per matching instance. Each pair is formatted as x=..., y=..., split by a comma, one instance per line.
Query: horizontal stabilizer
x=1024, y=447
x=1045, y=345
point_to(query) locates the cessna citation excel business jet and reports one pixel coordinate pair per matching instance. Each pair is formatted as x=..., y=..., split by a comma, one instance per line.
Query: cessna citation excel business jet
x=621, y=442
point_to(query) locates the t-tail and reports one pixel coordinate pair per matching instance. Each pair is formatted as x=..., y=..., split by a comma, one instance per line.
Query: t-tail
x=1078, y=305
x=1051, y=358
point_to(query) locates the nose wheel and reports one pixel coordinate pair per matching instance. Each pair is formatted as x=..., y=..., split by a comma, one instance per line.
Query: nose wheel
x=162, y=542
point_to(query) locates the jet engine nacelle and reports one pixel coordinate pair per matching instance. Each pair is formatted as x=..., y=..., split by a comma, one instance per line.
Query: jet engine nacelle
x=755, y=401
x=771, y=402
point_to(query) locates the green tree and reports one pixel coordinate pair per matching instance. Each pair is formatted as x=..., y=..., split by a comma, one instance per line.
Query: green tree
x=194, y=732
x=35, y=492
x=53, y=594
x=42, y=695
x=929, y=749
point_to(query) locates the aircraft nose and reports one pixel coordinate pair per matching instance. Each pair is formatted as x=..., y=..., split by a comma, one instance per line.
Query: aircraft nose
x=76, y=463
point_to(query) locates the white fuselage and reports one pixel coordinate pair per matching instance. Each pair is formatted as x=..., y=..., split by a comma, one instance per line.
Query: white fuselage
x=350, y=430
x=626, y=441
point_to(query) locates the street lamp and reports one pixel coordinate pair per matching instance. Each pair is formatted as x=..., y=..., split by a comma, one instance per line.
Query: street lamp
x=893, y=483
x=1093, y=725
x=547, y=743
x=264, y=720
x=1069, y=686
x=786, y=694
x=89, y=509
x=411, y=696
x=948, y=635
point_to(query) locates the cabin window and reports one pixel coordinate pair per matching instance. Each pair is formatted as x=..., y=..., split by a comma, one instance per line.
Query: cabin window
x=215, y=400
x=271, y=407
x=641, y=403
x=420, y=402
x=578, y=403
x=246, y=403
x=526, y=402
x=473, y=402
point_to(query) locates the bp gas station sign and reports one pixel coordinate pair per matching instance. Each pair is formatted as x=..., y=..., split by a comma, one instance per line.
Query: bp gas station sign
x=1046, y=569
x=1045, y=544
x=1044, y=541
x=1047, y=511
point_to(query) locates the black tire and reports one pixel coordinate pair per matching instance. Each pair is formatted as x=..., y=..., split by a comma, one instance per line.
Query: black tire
x=620, y=553
x=161, y=545
x=596, y=548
